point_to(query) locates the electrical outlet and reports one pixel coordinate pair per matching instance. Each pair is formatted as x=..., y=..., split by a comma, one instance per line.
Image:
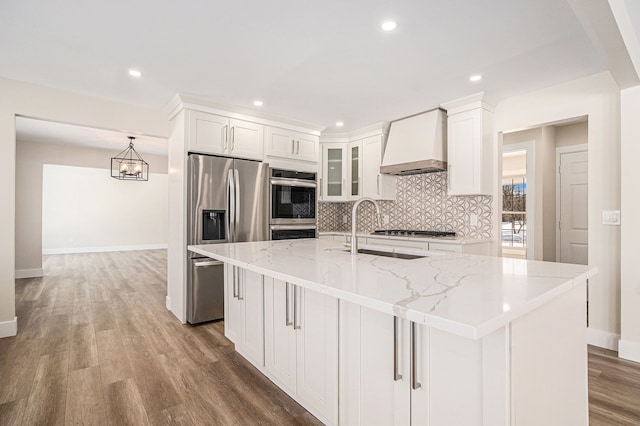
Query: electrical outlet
x=345, y=218
x=385, y=219
x=473, y=219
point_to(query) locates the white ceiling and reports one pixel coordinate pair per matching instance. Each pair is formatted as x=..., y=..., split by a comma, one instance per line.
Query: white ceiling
x=313, y=61
x=40, y=131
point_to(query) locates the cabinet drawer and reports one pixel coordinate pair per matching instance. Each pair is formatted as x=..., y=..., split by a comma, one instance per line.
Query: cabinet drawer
x=399, y=243
x=450, y=248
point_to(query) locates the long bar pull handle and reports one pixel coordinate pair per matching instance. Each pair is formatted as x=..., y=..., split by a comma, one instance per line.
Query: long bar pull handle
x=396, y=376
x=320, y=187
x=378, y=184
x=231, y=220
x=225, y=135
x=237, y=200
x=234, y=277
x=287, y=319
x=296, y=324
x=208, y=263
x=414, y=359
x=297, y=147
x=241, y=273
x=293, y=143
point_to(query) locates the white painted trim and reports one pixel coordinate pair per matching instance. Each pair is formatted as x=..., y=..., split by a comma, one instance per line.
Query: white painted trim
x=529, y=147
x=559, y=151
x=9, y=328
x=104, y=249
x=602, y=339
x=167, y=303
x=628, y=349
x=29, y=273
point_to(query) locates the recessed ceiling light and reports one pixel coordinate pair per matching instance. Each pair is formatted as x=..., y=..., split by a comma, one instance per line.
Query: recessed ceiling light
x=257, y=103
x=339, y=124
x=476, y=77
x=135, y=73
x=389, y=26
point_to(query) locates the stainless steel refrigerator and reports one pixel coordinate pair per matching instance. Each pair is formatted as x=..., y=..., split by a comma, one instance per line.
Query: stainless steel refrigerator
x=228, y=201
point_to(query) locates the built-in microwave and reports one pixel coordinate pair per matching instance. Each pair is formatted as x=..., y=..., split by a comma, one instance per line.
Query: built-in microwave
x=293, y=197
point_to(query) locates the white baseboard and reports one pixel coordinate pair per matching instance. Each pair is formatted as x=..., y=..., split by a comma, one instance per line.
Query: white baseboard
x=603, y=339
x=103, y=249
x=9, y=328
x=29, y=273
x=167, y=302
x=629, y=349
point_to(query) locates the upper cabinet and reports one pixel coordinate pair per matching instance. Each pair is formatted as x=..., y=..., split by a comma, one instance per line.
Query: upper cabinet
x=351, y=169
x=290, y=145
x=470, y=148
x=214, y=134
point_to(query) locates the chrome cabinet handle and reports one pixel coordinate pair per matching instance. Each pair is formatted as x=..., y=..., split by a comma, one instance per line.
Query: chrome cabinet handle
x=209, y=263
x=293, y=143
x=396, y=376
x=378, y=184
x=297, y=147
x=414, y=359
x=320, y=187
x=233, y=137
x=235, y=291
x=241, y=282
x=225, y=135
x=287, y=319
x=296, y=324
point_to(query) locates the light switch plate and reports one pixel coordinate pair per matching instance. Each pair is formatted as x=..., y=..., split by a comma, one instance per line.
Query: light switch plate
x=611, y=217
x=344, y=218
x=385, y=219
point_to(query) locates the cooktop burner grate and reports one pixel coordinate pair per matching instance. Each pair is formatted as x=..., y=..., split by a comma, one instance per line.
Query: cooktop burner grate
x=413, y=233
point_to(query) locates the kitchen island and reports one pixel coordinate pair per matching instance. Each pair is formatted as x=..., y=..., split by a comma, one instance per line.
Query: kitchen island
x=439, y=340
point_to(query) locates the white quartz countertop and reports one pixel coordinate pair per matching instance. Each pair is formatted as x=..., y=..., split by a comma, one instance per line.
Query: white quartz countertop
x=446, y=240
x=463, y=294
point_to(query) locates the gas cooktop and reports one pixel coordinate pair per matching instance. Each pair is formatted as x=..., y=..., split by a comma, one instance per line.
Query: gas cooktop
x=413, y=233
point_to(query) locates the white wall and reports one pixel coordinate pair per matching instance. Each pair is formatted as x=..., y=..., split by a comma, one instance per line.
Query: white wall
x=572, y=134
x=41, y=102
x=30, y=159
x=598, y=98
x=630, y=177
x=84, y=209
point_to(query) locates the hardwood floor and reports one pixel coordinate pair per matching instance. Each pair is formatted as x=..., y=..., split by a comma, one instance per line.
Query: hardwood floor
x=97, y=346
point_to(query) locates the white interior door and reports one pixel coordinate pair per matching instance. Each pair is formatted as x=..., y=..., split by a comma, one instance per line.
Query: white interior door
x=573, y=222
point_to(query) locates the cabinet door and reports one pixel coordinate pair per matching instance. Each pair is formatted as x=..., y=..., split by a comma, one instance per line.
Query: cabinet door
x=246, y=140
x=208, y=133
x=375, y=184
x=233, y=306
x=316, y=319
x=334, y=172
x=280, y=142
x=384, y=384
x=307, y=147
x=355, y=170
x=251, y=295
x=280, y=337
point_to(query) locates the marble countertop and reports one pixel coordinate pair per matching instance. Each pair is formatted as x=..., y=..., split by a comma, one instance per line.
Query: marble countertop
x=463, y=294
x=446, y=240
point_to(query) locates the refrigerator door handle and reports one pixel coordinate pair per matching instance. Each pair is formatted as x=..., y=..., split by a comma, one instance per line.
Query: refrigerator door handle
x=237, y=207
x=231, y=196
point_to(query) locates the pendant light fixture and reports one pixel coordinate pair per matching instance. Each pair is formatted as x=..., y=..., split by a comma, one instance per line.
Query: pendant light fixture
x=128, y=165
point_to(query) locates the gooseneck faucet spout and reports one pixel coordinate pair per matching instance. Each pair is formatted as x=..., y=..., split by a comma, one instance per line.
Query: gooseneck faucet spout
x=354, y=239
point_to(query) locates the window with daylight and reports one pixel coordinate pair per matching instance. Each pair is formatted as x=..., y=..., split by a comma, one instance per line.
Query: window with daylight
x=514, y=212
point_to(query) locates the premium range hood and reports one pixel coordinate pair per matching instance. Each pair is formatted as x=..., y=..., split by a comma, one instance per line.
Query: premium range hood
x=417, y=144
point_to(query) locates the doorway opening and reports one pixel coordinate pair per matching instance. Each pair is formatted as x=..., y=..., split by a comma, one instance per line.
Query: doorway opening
x=514, y=202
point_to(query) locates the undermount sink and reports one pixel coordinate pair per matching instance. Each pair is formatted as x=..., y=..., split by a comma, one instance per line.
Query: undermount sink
x=382, y=253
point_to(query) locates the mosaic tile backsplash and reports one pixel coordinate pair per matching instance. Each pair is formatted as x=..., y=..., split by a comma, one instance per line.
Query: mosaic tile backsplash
x=421, y=203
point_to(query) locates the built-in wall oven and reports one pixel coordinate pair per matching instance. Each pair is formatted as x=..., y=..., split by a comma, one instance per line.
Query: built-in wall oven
x=293, y=204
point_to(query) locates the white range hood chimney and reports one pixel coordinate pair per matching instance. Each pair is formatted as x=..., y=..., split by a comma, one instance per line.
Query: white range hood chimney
x=417, y=144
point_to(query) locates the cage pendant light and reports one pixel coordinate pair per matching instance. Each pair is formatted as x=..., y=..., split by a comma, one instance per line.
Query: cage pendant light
x=129, y=165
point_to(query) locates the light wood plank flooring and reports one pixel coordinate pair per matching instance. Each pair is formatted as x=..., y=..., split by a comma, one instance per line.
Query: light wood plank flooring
x=97, y=346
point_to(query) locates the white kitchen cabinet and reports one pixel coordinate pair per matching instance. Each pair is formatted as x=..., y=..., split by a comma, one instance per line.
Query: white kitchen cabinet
x=375, y=184
x=244, y=315
x=402, y=373
x=214, y=134
x=287, y=144
x=301, y=345
x=469, y=150
x=355, y=170
x=334, y=171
